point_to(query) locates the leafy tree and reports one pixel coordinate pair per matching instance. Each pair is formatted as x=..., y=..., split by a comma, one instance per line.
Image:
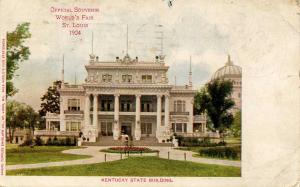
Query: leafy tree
x=214, y=99
x=236, y=126
x=16, y=52
x=50, y=100
x=20, y=115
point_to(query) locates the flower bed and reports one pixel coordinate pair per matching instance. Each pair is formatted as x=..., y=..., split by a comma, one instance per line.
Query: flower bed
x=129, y=149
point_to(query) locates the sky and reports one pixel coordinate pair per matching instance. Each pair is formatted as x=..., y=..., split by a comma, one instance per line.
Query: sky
x=207, y=32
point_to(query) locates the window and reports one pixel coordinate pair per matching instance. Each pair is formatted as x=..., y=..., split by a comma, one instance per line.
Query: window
x=73, y=126
x=146, y=128
x=106, y=128
x=179, y=127
x=179, y=106
x=147, y=78
x=146, y=107
x=107, y=105
x=106, y=78
x=126, y=106
x=73, y=104
x=127, y=78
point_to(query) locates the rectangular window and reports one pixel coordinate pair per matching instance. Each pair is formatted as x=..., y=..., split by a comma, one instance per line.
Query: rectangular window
x=127, y=78
x=147, y=78
x=73, y=126
x=106, y=78
x=146, y=128
x=179, y=127
x=179, y=106
x=73, y=104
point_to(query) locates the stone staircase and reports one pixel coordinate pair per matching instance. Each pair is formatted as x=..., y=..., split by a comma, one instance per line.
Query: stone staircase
x=109, y=141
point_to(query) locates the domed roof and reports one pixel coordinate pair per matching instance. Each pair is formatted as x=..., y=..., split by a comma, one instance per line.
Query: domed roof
x=228, y=71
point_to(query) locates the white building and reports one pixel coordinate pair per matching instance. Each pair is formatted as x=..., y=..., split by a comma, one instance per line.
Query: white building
x=126, y=96
x=232, y=73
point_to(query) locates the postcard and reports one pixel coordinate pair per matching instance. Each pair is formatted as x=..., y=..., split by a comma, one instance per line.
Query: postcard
x=149, y=93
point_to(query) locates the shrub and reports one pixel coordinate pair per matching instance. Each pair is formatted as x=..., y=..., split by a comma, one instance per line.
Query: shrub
x=68, y=141
x=195, y=141
x=62, y=142
x=49, y=141
x=55, y=141
x=179, y=138
x=74, y=141
x=38, y=141
x=27, y=142
x=222, y=143
x=222, y=152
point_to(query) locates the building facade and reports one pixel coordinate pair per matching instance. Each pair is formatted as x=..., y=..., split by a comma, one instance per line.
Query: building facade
x=126, y=96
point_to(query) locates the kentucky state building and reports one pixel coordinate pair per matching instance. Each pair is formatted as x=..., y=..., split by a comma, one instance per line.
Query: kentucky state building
x=125, y=96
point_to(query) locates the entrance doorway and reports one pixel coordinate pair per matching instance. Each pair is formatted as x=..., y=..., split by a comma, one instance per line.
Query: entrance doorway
x=126, y=129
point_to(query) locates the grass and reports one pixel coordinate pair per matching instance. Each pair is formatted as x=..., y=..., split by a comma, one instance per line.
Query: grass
x=136, y=166
x=39, y=154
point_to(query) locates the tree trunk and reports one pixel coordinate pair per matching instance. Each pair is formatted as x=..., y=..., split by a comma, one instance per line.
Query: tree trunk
x=9, y=135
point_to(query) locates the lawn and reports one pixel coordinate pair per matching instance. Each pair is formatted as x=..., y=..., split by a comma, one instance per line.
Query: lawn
x=39, y=154
x=136, y=166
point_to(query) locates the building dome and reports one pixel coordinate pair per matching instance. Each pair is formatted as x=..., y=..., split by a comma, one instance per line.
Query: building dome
x=228, y=71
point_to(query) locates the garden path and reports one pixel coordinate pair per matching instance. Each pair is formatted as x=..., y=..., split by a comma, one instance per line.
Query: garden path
x=98, y=157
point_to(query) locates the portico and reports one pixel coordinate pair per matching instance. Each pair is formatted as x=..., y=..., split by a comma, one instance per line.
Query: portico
x=111, y=112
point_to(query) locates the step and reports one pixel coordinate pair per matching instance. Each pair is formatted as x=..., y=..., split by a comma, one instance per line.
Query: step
x=108, y=141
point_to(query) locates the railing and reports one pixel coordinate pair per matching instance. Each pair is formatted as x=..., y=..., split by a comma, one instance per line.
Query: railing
x=200, y=134
x=194, y=134
x=52, y=115
x=199, y=118
x=73, y=112
x=179, y=113
x=55, y=133
x=72, y=86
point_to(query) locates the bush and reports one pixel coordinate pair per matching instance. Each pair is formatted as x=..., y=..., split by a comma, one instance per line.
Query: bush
x=222, y=152
x=68, y=141
x=27, y=142
x=74, y=141
x=179, y=138
x=38, y=141
x=195, y=141
x=49, y=141
x=62, y=142
x=55, y=141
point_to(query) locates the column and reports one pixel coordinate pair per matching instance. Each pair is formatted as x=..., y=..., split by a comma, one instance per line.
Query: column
x=167, y=114
x=116, y=130
x=158, y=118
x=61, y=116
x=137, y=132
x=95, y=111
x=87, y=110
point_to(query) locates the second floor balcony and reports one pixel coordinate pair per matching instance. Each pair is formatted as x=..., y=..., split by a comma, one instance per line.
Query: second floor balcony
x=179, y=113
x=73, y=112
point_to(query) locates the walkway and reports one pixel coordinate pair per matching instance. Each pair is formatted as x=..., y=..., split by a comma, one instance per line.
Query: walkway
x=98, y=157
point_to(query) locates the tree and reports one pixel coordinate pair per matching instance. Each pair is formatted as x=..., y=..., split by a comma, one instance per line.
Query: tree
x=16, y=53
x=236, y=126
x=20, y=115
x=50, y=100
x=214, y=99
